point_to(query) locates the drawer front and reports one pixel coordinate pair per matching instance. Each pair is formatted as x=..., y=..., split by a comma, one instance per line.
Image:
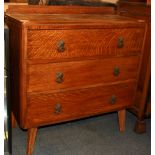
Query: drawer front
x=55, y=76
x=57, y=44
x=68, y=105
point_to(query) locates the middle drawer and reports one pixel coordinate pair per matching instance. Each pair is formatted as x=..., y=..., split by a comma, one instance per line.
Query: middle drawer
x=55, y=76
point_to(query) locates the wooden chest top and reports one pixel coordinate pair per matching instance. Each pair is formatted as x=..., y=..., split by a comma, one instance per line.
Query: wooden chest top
x=81, y=19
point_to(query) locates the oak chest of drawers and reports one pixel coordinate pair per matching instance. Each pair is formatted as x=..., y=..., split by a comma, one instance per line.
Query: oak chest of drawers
x=70, y=66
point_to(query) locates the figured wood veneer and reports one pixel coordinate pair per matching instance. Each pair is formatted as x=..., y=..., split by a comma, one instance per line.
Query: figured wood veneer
x=77, y=103
x=42, y=77
x=42, y=44
x=91, y=53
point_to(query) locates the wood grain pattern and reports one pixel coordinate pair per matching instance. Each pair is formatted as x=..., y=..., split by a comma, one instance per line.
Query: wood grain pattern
x=42, y=44
x=78, y=103
x=74, y=21
x=80, y=73
x=91, y=53
x=73, y=18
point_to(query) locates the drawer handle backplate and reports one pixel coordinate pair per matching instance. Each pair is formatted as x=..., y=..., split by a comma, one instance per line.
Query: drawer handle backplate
x=120, y=42
x=113, y=99
x=58, y=108
x=116, y=71
x=61, y=46
x=59, y=77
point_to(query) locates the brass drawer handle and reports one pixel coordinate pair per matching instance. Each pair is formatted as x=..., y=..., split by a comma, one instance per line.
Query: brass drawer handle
x=116, y=71
x=113, y=99
x=120, y=42
x=58, y=108
x=61, y=46
x=59, y=77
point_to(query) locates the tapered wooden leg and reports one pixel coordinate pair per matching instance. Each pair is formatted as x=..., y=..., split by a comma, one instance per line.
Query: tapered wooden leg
x=13, y=121
x=122, y=118
x=31, y=140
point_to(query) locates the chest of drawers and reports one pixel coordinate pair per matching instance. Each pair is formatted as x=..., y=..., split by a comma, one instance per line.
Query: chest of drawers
x=70, y=66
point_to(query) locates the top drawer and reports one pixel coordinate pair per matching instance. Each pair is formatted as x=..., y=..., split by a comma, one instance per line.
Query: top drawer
x=61, y=44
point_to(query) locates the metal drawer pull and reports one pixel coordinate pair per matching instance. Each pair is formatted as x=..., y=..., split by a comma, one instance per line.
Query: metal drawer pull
x=120, y=42
x=116, y=71
x=61, y=46
x=113, y=99
x=59, y=77
x=58, y=108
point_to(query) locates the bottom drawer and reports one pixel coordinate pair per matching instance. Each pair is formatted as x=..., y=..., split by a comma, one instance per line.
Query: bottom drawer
x=73, y=104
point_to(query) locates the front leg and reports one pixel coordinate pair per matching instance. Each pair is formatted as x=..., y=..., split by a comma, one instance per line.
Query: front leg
x=122, y=118
x=32, y=132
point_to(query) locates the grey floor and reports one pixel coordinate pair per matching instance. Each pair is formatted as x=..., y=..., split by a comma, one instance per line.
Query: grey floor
x=94, y=136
